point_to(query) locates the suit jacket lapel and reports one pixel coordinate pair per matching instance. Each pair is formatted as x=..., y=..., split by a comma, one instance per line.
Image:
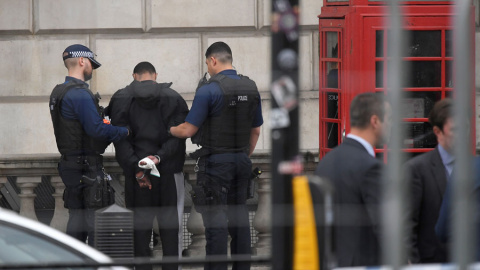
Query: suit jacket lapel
x=438, y=172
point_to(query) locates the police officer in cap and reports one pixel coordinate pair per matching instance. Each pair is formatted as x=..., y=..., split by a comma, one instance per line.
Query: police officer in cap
x=82, y=136
x=224, y=119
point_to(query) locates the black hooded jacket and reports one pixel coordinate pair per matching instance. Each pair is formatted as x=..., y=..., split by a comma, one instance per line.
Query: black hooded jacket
x=148, y=108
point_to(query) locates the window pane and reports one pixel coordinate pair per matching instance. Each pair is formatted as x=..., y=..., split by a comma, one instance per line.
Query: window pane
x=379, y=74
x=332, y=75
x=448, y=73
x=419, y=104
x=424, y=74
x=379, y=41
x=332, y=44
x=332, y=105
x=448, y=43
x=332, y=135
x=424, y=43
x=419, y=135
x=477, y=13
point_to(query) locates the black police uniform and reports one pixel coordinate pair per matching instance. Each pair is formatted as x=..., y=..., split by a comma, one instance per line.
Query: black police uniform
x=225, y=168
x=81, y=161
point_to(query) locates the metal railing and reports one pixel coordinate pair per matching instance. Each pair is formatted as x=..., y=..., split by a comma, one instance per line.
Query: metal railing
x=28, y=171
x=395, y=190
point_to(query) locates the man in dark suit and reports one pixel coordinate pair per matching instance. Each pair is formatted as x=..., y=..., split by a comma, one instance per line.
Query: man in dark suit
x=444, y=225
x=427, y=175
x=356, y=176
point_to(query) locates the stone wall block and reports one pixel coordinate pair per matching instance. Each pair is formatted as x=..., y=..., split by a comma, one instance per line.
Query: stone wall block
x=308, y=122
x=176, y=60
x=16, y=16
x=308, y=117
x=265, y=141
x=33, y=65
x=251, y=57
x=309, y=10
x=88, y=15
x=203, y=13
x=26, y=129
x=305, y=62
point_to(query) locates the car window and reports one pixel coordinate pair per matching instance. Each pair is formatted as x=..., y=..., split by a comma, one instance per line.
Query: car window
x=19, y=246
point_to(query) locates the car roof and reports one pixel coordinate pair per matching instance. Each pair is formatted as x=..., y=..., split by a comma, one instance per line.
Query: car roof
x=10, y=217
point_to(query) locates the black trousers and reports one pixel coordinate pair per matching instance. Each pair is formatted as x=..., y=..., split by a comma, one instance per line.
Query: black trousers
x=81, y=219
x=159, y=202
x=230, y=217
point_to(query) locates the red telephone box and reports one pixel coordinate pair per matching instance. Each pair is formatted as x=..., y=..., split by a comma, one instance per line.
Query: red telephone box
x=353, y=59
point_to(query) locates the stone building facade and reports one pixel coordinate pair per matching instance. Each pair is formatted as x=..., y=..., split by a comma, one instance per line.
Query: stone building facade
x=172, y=35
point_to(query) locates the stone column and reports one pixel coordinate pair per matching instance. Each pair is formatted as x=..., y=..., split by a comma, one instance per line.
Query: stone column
x=157, y=249
x=262, y=220
x=195, y=226
x=121, y=179
x=27, y=184
x=60, y=216
x=3, y=180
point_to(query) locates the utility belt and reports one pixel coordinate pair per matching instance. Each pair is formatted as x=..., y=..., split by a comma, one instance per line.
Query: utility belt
x=207, y=192
x=82, y=159
x=206, y=151
x=97, y=192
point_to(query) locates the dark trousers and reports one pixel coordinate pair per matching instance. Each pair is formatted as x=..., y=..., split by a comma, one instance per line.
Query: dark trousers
x=80, y=219
x=159, y=202
x=231, y=216
x=81, y=225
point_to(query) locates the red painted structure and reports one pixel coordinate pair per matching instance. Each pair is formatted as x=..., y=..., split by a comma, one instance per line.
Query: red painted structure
x=353, y=59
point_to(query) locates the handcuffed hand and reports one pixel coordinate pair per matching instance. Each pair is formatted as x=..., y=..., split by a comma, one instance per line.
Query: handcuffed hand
x=143, y=180
x=153, y=158
x=150, y=163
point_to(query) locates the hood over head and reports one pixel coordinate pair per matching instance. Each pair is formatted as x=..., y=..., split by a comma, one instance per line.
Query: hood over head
x=147, y=93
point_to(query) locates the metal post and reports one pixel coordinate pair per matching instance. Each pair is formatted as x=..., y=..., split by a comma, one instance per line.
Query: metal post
x=463, y=232
x=394, y=188
x=284, y=127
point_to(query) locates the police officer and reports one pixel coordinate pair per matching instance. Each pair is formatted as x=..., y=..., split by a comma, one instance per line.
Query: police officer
x=82, y=136
x=225, y=118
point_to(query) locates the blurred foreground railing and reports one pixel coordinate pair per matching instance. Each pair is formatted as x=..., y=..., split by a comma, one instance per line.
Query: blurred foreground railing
x=27, y=172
